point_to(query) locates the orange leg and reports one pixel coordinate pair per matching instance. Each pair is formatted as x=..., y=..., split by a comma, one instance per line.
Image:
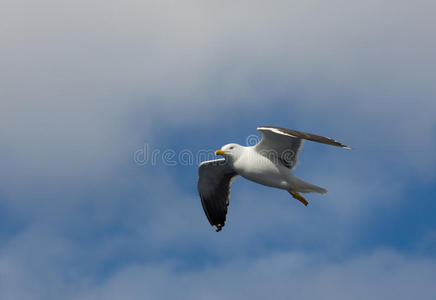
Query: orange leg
x=297, y=196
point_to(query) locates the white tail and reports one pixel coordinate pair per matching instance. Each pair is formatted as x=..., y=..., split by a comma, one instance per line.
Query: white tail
x=306, y=187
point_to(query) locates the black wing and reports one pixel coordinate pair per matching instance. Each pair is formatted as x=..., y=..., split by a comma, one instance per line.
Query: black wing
x=214, y=180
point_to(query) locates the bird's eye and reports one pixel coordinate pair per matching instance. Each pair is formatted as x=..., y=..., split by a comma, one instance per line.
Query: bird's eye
x=231, y=148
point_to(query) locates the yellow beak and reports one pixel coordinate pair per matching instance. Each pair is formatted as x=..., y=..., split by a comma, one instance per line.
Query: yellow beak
x=220, y=152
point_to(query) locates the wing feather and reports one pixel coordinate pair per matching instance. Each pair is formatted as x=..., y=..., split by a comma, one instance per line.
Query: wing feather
x=303, y=135
x=214, y=180
x=285, y=144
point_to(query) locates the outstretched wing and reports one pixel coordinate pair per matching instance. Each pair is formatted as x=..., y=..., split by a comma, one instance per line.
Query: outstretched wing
x=214, y=180
x=284, y=144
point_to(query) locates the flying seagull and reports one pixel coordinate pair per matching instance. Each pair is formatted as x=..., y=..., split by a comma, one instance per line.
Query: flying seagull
x=269, y=162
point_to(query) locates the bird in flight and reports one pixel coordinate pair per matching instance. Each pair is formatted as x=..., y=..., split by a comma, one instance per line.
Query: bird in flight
x=269, y=163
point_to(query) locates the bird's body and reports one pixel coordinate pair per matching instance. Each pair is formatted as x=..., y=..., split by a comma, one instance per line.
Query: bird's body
x=260, y=169
x=268, y=163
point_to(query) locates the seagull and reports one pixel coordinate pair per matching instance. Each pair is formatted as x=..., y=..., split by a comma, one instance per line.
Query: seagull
x=269, y=162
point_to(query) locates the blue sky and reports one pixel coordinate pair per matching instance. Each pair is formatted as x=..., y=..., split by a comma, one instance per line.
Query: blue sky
x=85, y=85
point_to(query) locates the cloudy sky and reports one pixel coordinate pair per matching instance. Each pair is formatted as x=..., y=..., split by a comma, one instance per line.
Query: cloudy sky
x=84, y=85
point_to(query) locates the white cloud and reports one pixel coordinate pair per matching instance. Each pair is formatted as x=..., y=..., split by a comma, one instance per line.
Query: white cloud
x=383, y=274
x=51, y=267
x=73, y=73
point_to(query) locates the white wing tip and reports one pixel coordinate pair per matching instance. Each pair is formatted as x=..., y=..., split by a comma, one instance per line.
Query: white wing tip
x=275, y=130
x=217, y=228
x=209, y=161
